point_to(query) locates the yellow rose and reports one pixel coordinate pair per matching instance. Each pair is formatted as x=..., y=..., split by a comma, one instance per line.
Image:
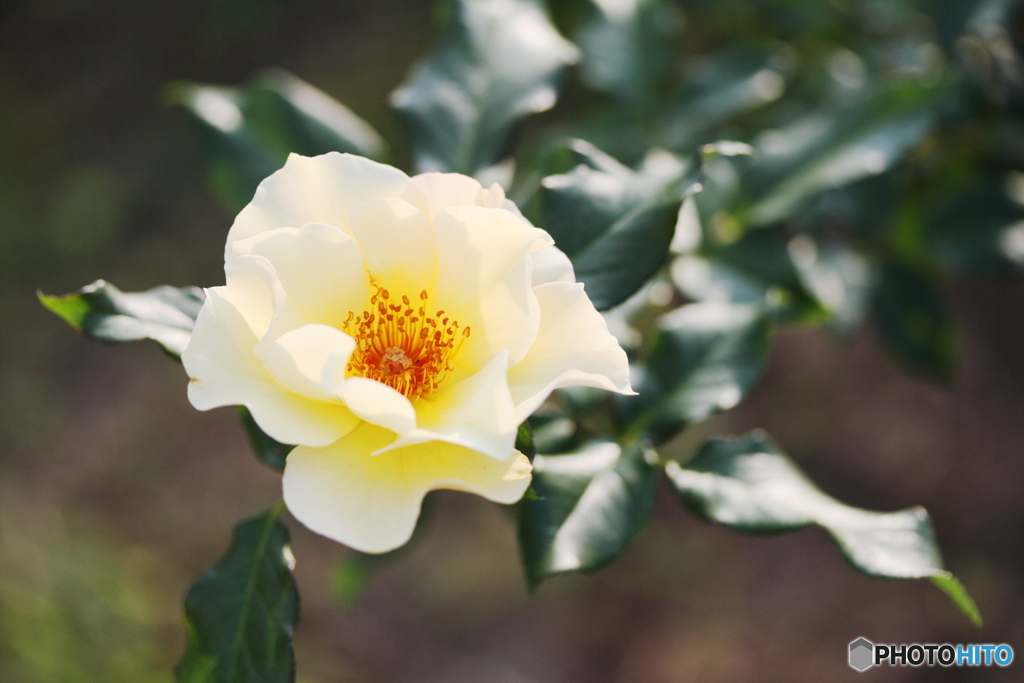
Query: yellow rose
x=397, y=330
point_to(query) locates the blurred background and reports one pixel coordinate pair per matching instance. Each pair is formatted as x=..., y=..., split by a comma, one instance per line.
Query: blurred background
x=115, y=494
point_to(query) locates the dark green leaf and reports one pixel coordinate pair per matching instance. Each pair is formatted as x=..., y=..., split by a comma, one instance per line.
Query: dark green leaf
x=824, y=150
x=102, y=311
x=496, y=62
x=272, y=453
x=249, y=131
x=589, y=506
x=241, y=613
x=978, y=231
x=915, y=323
x=841, y=279
x=524, y=441
x=750, y=485
x=756, y=268
x=628, y=49
x=705, y=358
x=615, y=224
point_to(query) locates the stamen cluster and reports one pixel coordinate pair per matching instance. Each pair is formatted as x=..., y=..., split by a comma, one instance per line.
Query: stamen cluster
x=403, y=347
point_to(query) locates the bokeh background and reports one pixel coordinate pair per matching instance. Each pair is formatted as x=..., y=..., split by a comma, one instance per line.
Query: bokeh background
x=115, y=493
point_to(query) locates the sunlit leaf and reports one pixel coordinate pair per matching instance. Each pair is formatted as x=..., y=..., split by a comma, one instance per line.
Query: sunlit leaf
x=915, y=324
x=750, y=485
x=867, y=149
x=102, y=311
x=241, y=613
x=614, y=223
x=589, y=506
x=249, y=131
x=705, y=358
x=496, y=62
x=841, y=279
x=627, y=48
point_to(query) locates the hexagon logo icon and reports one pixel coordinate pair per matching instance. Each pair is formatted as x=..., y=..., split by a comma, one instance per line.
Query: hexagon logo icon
x=862, y=654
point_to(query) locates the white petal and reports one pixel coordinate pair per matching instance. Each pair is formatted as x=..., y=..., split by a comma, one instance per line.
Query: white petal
x=484, y=281
x=320, y=189
x=297, y=358
x=476, y=413
x=398, y=245
x=320, y=269
x=225, y=371
x=371, y=503
x=253, y=288
x=550, y=264
x=378, y=403
x=445, y=190
x=573, y=348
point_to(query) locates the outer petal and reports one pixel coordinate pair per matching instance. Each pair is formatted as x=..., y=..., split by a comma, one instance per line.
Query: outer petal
x=573, y=347
x=320, y=269
x=371, y=503
x=398, y=245
x=550, y=264
x=445, y=190
x=225, y=371
x=321, y=189
x=484, y=281
x=476, y=413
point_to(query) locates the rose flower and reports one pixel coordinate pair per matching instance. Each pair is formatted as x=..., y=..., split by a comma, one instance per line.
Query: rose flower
x=397, y=330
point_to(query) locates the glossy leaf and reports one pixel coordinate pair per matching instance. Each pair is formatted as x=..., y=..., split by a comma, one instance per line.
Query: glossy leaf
x=628, y=49
x=242, y=612
x=589, y=507
x=819, y=153
x=705, y=358
x=102, y=311
x=915, y=323
x=841, y=279
x=496, y=62
x=271, y=452
x=749, y=484
x=614, y=223
x=250, y=130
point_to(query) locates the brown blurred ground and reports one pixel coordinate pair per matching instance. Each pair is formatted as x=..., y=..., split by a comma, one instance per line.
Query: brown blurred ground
x=115, y=493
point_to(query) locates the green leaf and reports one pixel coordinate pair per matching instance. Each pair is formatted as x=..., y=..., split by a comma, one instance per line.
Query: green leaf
x=250, y=130
x=102, y=311
x=615, y=224
x=749, y=484
x=915, y=323
x=241, y=613
x=589, y=507
x=705, y=358
x=628, y=49
x=840, y=278
x=496, y=62
x=272, y=453
x=850, y=154
x=978, y=231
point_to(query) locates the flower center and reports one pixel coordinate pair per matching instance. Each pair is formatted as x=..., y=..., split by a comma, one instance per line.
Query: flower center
x=403, y=347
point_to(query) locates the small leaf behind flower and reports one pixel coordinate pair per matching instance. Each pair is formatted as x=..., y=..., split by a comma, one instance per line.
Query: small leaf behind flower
x=705, y=358
x=102, y=311
x=249, y=131
x=588, y=508
x=614, y=223
x=750, y=485
x=496, y=62
x=241, y=613
x=271, y=452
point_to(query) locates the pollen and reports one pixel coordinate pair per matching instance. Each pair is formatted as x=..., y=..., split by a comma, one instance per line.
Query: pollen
x=401, y=346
